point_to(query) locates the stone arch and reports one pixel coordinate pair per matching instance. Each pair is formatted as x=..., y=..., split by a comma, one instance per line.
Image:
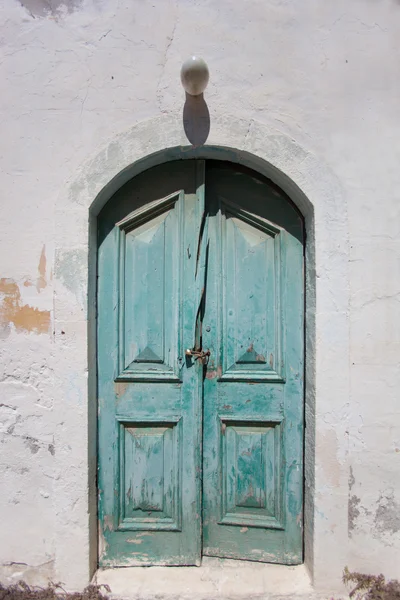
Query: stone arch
x=318, y=195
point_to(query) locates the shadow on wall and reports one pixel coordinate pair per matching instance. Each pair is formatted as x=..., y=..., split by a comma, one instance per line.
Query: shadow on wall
x=196, y=119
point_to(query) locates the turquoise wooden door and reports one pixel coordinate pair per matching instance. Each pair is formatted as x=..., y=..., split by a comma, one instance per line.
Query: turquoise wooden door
x=200, y=458
x=149, y=432
x=253, y=388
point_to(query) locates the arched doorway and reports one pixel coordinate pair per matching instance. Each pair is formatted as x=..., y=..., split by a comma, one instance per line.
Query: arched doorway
x=200, y=368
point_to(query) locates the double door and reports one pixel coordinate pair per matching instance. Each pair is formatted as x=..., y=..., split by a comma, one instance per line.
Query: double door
x=200, y=369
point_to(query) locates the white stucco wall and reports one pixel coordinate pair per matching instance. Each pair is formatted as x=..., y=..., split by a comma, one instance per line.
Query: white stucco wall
x=87, y=89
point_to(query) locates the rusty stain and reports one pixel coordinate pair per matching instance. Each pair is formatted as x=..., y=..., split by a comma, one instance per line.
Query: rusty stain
x=120, y=388
x=223, y=428
x=260, y=358
x=41, y=280
x=271, y=360
x=250, y=348
x=108, y=523
x=102, y=541
x=23, y=316
x=227, y=407
x=211, y=374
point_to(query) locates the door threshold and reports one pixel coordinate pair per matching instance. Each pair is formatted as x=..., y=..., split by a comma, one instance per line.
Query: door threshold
x=216, y=577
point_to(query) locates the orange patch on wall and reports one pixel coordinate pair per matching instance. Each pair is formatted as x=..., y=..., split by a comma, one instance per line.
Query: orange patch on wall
x=23, y=316
x=41, y=280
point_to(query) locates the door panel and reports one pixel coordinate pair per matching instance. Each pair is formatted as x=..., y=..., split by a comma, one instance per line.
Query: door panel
x=150, y=273
x=150, y=464
x=150, y=413
x=251, y=319
x=253, y=389
x=251, y=461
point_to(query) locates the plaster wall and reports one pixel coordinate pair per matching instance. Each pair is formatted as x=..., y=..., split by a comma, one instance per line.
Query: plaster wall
x=90, y=88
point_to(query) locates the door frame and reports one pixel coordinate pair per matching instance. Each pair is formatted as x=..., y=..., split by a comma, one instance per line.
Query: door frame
x=316, y=192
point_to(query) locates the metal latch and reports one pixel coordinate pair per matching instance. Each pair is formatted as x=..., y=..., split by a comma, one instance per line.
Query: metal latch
x=198, y=355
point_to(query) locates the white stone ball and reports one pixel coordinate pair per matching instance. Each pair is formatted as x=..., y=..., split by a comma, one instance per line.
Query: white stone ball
x=194, y=75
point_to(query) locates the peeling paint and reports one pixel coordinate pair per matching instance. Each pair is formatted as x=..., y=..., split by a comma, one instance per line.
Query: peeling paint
x=32, y=573
x=351, y=479
x=387, y=516
x=32, y=444
x=52, y=9
x=71, y=269
x=51, y=449
x=120, y=388
x=353, y=513
x=22, y=316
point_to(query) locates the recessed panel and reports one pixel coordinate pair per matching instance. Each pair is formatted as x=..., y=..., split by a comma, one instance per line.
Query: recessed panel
x=149, y=271
x=149, y=467
x=251, y=456
x=251, y=319
x=145, y=292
